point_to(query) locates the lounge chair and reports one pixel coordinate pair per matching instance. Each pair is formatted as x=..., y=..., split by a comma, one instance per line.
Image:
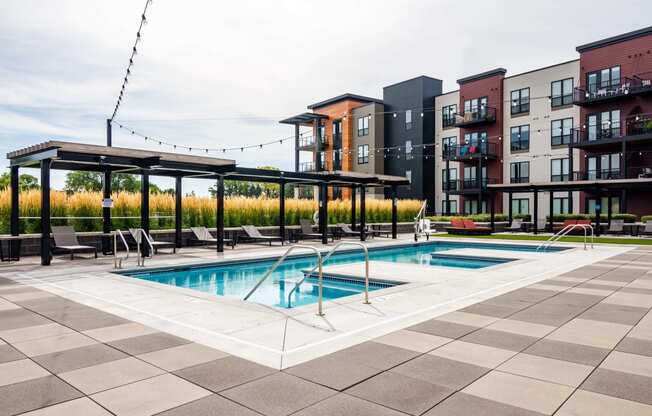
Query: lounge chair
x=467, y=227
x=344, y=230
x=307, y=231
x=616, y=227
x=65, y=240
x=517, y=226
x=204, y=236
x=253, y=235
x=425, y=228
x=156, y=245
x=648, y=228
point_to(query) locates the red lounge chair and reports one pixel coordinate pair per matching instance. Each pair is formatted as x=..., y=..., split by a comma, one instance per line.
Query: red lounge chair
x=466, y=227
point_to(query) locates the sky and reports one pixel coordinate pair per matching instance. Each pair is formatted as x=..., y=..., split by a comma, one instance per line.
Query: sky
x=220, y=74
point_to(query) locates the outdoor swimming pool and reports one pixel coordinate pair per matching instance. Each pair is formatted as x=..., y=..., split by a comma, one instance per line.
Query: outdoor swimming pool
x=235, y=279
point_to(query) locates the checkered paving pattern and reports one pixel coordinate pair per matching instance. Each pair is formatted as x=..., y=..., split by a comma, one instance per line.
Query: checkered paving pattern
x=578, y=344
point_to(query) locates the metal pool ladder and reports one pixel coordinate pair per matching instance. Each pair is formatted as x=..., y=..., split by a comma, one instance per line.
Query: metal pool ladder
x=323, y=260
x=117, y=261
x=281, y=260
x=139, y=236
x=564, y=231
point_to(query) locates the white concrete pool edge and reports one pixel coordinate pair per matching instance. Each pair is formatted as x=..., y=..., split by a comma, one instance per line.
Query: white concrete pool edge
x=258, y=337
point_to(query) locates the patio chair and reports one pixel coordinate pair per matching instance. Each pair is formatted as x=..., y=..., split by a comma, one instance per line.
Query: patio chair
x=307, y=231
x=517, y=225
x=425, y=228
x=344, y=230
x=616, y=227
x=136, y=234
x=648, y=228
x=204, y=236
x=462, y=226
x=65, y=240
x=253, y=235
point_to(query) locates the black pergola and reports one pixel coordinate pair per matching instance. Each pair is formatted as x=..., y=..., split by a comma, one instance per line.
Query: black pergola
x=597, y=187
x=108, y=160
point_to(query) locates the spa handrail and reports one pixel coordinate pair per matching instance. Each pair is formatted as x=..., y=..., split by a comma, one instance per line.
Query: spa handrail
x=326, y=257
x=117, y=261
x=281, y=260
x=564, y=231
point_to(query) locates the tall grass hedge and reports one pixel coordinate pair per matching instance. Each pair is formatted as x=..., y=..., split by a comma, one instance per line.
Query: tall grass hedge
x=83, y=210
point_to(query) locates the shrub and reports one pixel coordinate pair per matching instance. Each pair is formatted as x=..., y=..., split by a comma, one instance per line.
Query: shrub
x=475, y=217
x=628, y=218
x=83, y=210
x=646, y=218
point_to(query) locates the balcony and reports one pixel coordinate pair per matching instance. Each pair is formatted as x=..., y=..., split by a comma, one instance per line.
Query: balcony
x=306, y=142
x=562, y=177
x=614, y=89
x=472, y=118
x=309, y=167
x=636, y=172
x=470, y=151
x=448, y=121
x=469, y=186
x=636, y=128
x=519, y=179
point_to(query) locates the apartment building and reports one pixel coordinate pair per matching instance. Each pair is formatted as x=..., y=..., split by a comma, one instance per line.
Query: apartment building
x=575, y=128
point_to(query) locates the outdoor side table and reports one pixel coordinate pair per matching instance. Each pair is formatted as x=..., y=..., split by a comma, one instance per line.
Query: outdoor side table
x=12, y=245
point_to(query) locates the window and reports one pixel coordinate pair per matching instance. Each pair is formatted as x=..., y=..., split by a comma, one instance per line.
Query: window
x=560, y=206
x=607, y=79
x=448, y=146
x=606, y=166
x=448, y=115
x=519, y=172
x=337, y=156
x=603, y=125
x=408, y=150
x=471, y=180
x=452, y=172
x=408, y=119
x=337, y=133
x=559, y=170
x=475, y=138
x=321, y=161
x=561, y=92
x=363, y=126
x=476, y=105
x=408, y=175
x=471, y=206
x=521, y=101
x=321, y=134
x=561, y=131
x=452, y=203
x=363, y=154
x=604, y=204
x=520, y=138
x=520, y=206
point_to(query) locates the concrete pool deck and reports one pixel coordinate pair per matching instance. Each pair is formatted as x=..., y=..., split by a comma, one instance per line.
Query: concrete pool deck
x=281, y=338
x=576, y=344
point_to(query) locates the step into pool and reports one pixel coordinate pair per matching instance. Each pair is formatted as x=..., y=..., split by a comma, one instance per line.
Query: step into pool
x=235, y=279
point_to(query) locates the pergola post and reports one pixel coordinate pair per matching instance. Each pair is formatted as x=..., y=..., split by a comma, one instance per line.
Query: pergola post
x=492, y=211
x=15, y=204
x=178, y=211
x=535, y=217
x=550, y=210
x=609, y=211
x=323, y=215
x=363, y=214
x=394, y=212
x=447, y=211
x=144, y=210
x=296, y=147
x=598, y=212
x=45, y=211
x=106, y=194
x=219, y=219
x=281, y=210
x=353, y=220
x=509, y=208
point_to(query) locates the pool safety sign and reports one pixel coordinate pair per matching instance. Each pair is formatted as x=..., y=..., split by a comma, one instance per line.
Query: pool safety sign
x=107, y=203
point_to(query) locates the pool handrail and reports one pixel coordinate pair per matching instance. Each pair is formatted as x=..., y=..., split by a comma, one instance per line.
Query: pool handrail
x=417, y=220
x=326, y=257
x=281, y=260
x=139, y=236
x=564, y=231
x=117, y=261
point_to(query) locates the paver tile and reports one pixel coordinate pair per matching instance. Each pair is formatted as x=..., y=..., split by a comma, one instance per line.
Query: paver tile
x=117, y=332
x=630, y=299
x=411, y=340
x=462, y=404
x=628, y=363
x=497, y=311
x=53, y=344
x=278, y=395
x=527, y=393
x=614, y=313
x=547, y=369
x=593, y=333
x=9, y=353
x=476, y=354
x=109, y=375
x=375, y=355
x=629, y=344
x=521, y=328
x=213, y=405
x=20, y=318
x=34, y=394
x=150, y=396
x=28, y=295
x=549, y=314
x=441, y=371
x=333, y=372
x=20, y=370
x=618, y=384
x=567, y=351
x=499, y=339
x=5, y=305
x=466, y=318
x=83, y=407
x=148, y=343
x=443, y=328
x=586, y=403
x=187, y=355
x=401, y=393
x=34, y=332
x=68, y=360
x=224, y=373
x=345, y=405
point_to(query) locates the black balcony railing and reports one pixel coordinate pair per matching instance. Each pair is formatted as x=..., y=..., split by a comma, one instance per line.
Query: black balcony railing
x=478, y=116
x=612, y=88
x=598, y=174
x=519, y=179
x=470, y=185
x=448, y=121
x=306, y=141
x=596, y=134
x=469, y=151
x=639, y=125
x=307, y=167
x=562, y=177
x=452, y=185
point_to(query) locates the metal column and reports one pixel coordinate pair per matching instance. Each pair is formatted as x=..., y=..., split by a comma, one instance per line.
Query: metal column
x=15, y=204
x=353, y=220
x=106, y=194
x=178, y=211
x=535, y=217
x=550, y=212
x=296, y=147
x=363, y=214
x=144, y=209
x=281, y=210
x=219, y=214
x=45, y=211
x=394, y=212
x=492, y=209
x=509, y=208
x=323, y=214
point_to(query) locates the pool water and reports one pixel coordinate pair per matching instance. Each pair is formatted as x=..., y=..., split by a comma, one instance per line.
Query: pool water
x=235, y=279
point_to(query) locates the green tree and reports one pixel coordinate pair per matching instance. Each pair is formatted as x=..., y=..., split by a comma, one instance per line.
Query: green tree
x=25, y=181
x=79, y=181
